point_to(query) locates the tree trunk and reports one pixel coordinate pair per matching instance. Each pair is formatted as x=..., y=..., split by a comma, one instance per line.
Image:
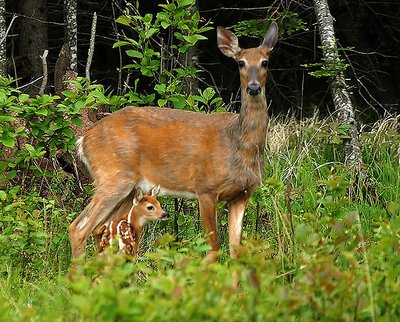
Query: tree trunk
x=33, y=39
x=3, y=36
x=70, y=9
x=340, y=94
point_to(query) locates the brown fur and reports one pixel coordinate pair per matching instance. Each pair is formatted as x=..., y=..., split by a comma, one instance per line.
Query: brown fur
x=213, y=157
x=129, y=226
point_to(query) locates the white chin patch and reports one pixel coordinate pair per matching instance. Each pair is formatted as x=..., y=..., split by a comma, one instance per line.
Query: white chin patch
x=146, y=186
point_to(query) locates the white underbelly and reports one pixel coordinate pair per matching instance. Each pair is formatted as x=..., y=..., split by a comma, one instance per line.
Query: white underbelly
x=146, y=186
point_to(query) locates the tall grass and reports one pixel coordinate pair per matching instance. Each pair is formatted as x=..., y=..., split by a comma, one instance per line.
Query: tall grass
x=319, y=243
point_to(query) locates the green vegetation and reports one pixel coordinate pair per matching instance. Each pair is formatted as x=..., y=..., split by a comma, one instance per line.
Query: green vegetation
x=319, y=244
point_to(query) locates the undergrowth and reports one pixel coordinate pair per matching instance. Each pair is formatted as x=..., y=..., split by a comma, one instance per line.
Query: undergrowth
x=319, y=243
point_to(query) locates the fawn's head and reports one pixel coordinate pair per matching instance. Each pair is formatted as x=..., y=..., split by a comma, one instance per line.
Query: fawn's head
x=146, y=207
x=253, y=62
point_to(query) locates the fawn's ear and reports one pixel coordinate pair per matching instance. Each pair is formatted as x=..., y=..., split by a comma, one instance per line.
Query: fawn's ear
x=138, y=196
x=227, y=42
x=271, y=37
x=154, y=191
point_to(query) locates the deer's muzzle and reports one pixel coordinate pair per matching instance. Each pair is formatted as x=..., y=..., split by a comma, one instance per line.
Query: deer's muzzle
x=254, y=89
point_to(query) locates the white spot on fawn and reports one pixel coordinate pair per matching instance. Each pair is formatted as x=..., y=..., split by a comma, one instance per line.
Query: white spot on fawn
x=121, y=244
x=110, y=228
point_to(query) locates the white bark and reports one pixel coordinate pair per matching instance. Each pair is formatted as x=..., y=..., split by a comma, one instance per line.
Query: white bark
x=340, y=94
x=70, y=8
x=3, y=36
x=91, y=46
x=45, y=72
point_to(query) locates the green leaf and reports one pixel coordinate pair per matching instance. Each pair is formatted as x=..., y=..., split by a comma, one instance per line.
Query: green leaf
x=124, y=20
x=98, y=95
x=8, y=141
x=29, y=148
x=199, y=99
x=179, y=101
x=208, y=93
x=134, y=53
x=23, y=98
x=121, y=43
x=184, y=3
x=69, y=94
x=68, y=132
x=7, y=118
x=169, y=7
x=42, y=111
x=165, y=24
x=76, y=120
x=79, y=104
x=146, y=71
x=160, y=88
x=162, y=102
x=11, y=174
x=150, y=32
x=148, y=18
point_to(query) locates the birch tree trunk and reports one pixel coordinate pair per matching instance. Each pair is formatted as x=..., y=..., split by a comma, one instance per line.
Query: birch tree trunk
x=70, y=9
x=340, y=94
x=3, y=36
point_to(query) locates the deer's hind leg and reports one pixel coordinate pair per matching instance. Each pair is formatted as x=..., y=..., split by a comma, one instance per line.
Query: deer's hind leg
x=236, y=211
x=105, y=199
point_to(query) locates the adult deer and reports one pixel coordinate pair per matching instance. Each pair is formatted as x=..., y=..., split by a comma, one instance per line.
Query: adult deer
x=211, y=157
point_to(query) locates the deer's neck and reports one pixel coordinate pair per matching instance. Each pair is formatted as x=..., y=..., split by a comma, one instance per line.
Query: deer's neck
x=252, y=122
x=136, y=224
x=250, y=134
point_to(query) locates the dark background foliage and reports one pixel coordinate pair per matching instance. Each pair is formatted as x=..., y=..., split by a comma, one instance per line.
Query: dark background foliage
x=369, y=30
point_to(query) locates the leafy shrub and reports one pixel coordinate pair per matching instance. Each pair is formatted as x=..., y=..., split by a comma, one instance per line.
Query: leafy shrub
x=165, y=60
x=33, y=234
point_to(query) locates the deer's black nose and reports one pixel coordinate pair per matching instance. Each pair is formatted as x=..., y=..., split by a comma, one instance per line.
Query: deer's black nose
x=253, y=89
x=165, y=215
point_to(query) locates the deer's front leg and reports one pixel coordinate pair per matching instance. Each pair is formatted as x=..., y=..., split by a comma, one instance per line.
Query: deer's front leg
x=236, y=210
x=208, y=213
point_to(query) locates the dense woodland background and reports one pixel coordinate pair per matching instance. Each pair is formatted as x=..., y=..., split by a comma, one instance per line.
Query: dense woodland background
x=369, y=30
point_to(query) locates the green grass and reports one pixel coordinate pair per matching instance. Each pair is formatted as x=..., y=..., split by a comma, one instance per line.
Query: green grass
x=319, y=243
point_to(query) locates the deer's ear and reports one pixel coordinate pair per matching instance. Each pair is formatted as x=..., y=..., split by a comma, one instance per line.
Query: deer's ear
x=271, y=37
x=227, y=42
x=154, y=191
x=138, y=196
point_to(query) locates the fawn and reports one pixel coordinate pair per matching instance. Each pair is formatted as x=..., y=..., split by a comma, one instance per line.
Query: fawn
x=129, y=227
x=210, y=157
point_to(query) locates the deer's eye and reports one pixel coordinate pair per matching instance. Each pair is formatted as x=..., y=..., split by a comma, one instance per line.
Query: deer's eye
x=241, y=63
x=150, y=208
x=264, y=63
